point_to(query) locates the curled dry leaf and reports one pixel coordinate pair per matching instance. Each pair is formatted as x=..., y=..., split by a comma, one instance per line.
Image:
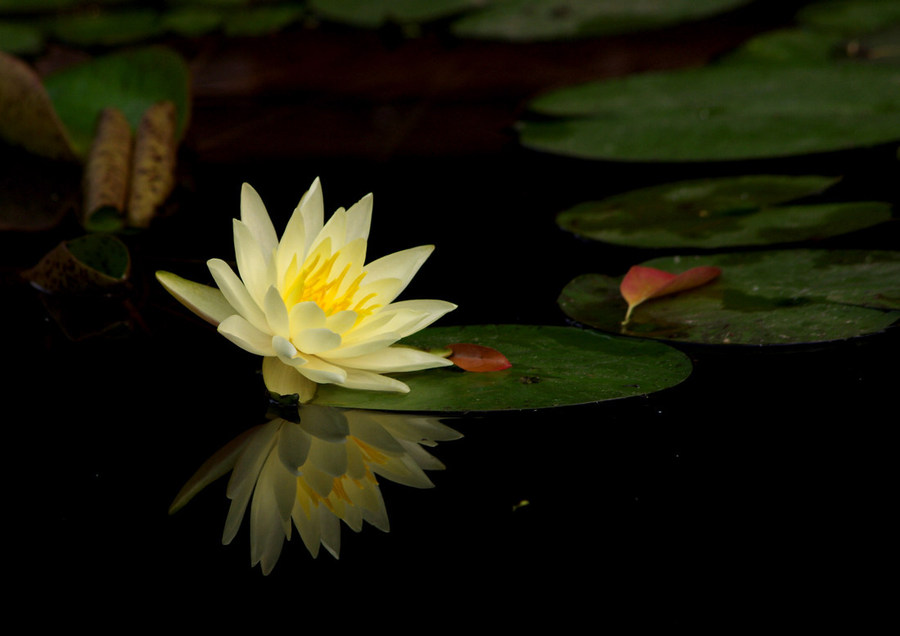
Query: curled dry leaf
x=478, y=358
x=27, y=116
x=108, y=165
x=643, y=283
x=92, y=264
x=153, y=172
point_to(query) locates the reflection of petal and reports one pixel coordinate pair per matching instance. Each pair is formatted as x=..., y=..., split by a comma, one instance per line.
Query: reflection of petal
x=316, y=473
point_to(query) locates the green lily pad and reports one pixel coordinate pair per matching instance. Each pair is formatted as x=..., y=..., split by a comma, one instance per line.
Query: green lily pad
x=262, y=20
x=851, y=17
x=727, y=112
x=761, y=298
x=20, y=38
x=725, y=212
x=131, y=81
x=375, y=13
x=560, y=19
x=551, y=366
x=790, y=46
x=107, y=28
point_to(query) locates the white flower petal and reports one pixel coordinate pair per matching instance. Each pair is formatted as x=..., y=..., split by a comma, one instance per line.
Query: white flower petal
x=313, y=341
x=402, y=265
x=237, y=329
x=359, y=219
x=320, y=371
x=373, y=382
x=429, y=310
x=320, y=481
x=236, y=293
x=252, y=263
x=341, y=321
x=243, y=477
x=284, y=380
x=329, y=457
x=270, y=513
x=312, y=211
x=396, y=359
x=277, y=314
x=335, y=230
x=256, y=218
x=306, y=315
x=360, y=347
x=207, y=302
x=324, y=422
x=286, y=351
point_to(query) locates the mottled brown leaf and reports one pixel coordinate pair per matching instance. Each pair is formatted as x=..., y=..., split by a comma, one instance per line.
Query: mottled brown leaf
x=153, y=167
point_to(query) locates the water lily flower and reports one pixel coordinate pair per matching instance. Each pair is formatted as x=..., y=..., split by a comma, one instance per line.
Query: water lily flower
x=310, y=305
x=316, y=473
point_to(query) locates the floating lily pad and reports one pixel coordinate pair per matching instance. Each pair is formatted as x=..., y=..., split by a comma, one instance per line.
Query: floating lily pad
x=851, y=17
x=761, y=298
x=795, y=47
x=107, y=28
x=131, y=81
x=20, y=38
x=551, y=366
x=726, y=112
x=375, y=13
x=561, y=19
x=725, y=212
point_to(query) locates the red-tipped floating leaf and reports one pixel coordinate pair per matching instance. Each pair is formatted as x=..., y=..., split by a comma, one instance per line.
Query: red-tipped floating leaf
x=478, y=358
x=643, y=283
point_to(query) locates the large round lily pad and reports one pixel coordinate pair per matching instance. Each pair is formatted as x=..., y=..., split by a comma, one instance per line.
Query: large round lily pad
x=727, y=112
x=526, y=20
x=131, y=81
x=725, y=212
x=551, y=366
x=760, y=298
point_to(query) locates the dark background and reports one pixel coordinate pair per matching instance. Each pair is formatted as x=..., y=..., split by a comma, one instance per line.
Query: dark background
x=757, y=493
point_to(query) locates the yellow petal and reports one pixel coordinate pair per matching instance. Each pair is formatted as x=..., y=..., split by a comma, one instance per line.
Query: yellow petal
x=311, y=210
x=367, y=380
x=277, y=314
x=256, y=218
x=252, y=263
x=306, y=315
x=341, y=321
x=284, y=380
x=396, y=359
x=320, y=371
x=402, y=265
x=428, y=311
x=207, y=302
x=236, y=293
x=359, y=219
x=246, y=336
x=313, y=341
x=329, y=457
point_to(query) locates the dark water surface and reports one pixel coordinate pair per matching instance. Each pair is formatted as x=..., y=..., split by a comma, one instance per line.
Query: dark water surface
x=759, y=490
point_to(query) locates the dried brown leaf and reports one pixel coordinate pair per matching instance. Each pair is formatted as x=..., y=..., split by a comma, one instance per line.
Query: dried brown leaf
x=153, y=167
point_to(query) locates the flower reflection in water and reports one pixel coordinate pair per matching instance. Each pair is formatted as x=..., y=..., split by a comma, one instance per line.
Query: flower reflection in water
x=316, y=473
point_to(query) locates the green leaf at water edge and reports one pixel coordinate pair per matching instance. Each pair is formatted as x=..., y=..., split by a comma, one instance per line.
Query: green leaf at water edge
x=551, y=366
x=534, y=20
x=131, y=81
x=727, y=112
x=723, y=212
x=761, y=298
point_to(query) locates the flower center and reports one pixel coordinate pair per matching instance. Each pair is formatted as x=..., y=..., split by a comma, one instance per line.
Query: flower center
x=331, y=291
